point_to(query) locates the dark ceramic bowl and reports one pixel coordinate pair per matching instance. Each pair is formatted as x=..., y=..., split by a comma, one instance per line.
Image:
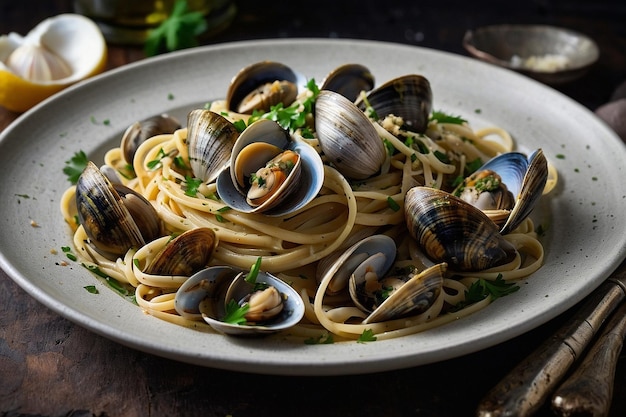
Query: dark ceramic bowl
x=549, y=54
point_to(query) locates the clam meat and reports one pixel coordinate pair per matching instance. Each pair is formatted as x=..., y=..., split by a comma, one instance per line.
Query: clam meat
x=266, y=306
x=365, y=269
x=269, y=172
x=507, y=187
x=262, y=85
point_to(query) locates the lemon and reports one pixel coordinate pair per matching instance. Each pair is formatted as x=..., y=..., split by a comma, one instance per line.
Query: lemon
x=58, y=52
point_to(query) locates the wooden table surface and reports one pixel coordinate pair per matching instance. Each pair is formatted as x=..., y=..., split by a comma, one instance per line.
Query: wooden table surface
x=51, y=367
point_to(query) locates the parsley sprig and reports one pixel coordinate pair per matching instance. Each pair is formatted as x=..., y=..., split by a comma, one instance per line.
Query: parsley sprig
x=179, y=31
x=483, y=288
x=442, y=117
x=75, y=166
x=294, y=116
x=235, y=313
x=366, y=336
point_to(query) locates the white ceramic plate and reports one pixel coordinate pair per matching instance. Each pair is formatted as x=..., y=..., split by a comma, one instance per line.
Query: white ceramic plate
x=585, y=216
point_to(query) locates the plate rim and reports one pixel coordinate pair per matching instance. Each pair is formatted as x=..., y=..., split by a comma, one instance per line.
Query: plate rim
x=303, y=368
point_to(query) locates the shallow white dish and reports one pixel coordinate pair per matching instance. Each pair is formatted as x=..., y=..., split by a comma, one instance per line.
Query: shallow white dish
x=585, y=216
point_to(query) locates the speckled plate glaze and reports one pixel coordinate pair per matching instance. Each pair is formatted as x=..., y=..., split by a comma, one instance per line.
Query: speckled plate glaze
x=585, y=216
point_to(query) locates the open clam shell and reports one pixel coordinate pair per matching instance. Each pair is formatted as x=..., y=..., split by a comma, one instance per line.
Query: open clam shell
x=262, y=85
x=349, y=80
x=206, y=293
x=342, y=268
x=409, y=97
x=301, y=186
x=451, y=230
x=139, y=132
x=522, y=179
x=411, y=293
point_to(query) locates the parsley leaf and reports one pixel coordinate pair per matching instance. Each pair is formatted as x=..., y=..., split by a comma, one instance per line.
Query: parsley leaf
x=483, y=288
x=254, y=271
x=91, y=289
x=393, y=204
x=367, y=336
x=155, y=163
x=179, y=31
x=191, y=186
x=442, y=117
x=75, y=166
x=295, y=115
x=235, y=314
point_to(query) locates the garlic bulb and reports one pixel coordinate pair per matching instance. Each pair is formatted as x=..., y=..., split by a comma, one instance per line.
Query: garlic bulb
x=36, y=63
x=59, y=51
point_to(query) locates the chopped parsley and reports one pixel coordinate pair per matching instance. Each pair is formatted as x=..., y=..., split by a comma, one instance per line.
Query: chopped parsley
x=68, y=252
x=254, y=271
x=393, y=204
x=112, y=282
x=191, y=186
x=154, y=164
x=235, y=314
x=442, y=157
x=179, y=162
x=240, y=125
x=366, y=336
x=295, y=115
x=75, y=166
x=483, y=288
x=442, y=117
x=105, y=122
x=471, y=167
x=91, y=289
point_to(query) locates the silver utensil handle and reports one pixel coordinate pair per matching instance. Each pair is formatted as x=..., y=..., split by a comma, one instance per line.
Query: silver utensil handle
x=589, y=390
x=525, y=388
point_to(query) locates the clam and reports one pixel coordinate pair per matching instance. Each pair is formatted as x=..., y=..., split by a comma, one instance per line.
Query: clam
x=452, y=230
x=270, y=173
x=396, y=294
x=507, y=187
x=344, y=264
x=273, y=307
x=349, y=80
x=347, y=137
x=262, y=85
x=364, y=270
x=115, y=217
x=210, y=139
x=184, y=255
x=409, y=97
x=140, y=131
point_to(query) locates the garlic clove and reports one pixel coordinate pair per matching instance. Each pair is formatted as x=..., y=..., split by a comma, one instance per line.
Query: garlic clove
x=36, y=63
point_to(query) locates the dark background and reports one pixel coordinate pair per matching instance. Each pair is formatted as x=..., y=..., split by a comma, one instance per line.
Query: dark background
x=433, y=24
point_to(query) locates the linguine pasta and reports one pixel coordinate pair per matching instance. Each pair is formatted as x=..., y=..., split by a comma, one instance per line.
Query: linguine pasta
x=292, y=246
